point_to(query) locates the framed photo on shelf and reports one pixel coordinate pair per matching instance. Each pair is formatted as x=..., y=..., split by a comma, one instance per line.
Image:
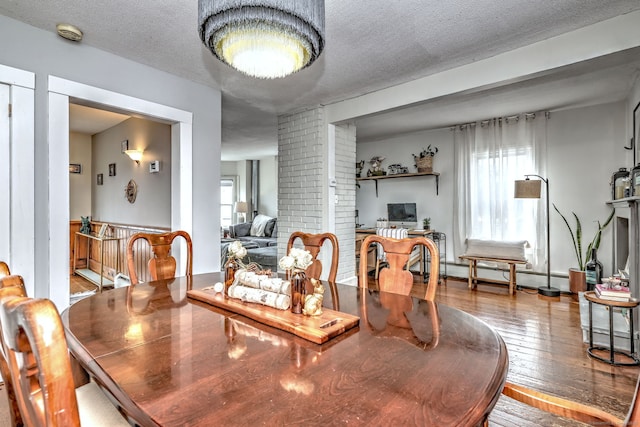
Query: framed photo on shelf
x=75, y=168
x=124, y=145
x=112, y=169
x=103, y=230
x=99, y=179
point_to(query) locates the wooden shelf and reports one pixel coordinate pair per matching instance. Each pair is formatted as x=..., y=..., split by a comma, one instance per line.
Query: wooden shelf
x=401, y=175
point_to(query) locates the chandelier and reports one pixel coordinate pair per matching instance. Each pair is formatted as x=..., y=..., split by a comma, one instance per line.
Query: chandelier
x=263, y=38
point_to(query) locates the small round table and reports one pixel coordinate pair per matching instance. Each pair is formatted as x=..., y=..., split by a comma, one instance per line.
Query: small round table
x=611, y=304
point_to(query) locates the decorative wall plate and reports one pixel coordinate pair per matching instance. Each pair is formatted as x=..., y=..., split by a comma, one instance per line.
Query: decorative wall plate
x=130, y=191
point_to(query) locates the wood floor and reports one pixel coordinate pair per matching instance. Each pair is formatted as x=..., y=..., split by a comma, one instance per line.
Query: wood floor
x=546, y=352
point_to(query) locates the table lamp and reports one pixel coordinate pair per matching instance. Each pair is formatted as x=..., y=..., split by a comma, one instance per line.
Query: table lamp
x=241, y=209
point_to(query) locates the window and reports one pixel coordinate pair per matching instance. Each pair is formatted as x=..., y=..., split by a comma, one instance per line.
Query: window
x=489, y=157
x=227, y=198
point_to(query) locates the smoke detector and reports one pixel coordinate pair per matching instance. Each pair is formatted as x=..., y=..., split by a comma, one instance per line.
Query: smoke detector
x=69, y=32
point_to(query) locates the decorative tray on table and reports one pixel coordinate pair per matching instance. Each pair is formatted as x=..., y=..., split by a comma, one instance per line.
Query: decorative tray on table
x=317, y=329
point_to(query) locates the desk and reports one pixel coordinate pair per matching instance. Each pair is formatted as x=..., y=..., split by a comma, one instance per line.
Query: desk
x=171, y=361
x=610, y=304
x=425, y=259
x=96, y=278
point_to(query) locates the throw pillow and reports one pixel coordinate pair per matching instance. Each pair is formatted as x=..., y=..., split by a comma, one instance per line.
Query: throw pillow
x=258, y=225
x=268, y=229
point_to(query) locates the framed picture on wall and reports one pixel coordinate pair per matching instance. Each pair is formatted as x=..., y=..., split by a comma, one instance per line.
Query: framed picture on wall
x=124, y=145
x=99, y=181
x=112, y=169
x=75, y=168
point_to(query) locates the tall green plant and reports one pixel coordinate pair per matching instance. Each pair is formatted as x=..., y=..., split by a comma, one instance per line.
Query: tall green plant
x=576, y=236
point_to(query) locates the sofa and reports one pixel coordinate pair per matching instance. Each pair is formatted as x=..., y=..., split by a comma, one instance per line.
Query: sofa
x=263, y=231
x=260, y=237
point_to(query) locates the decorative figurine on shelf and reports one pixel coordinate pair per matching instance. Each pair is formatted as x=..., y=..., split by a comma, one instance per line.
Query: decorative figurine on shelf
x=359, y=166
x=424, y=160
x=313, y=303
x=376, y=169
x=85, y=227
x=398, y=169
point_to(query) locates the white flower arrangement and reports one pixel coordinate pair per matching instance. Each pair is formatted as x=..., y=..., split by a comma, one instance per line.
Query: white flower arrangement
x=236, y=250
x=296, y=259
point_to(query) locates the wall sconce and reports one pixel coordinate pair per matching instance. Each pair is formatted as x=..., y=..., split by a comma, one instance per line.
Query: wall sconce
x=135, y=155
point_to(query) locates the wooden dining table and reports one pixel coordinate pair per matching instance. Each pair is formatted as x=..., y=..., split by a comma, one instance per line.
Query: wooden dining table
x=166, y=359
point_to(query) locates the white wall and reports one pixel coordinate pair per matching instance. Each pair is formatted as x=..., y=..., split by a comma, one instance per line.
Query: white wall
x=268, y=190
x=44, y=53
x=80, y=184
x=585, y=147
x=152, y=207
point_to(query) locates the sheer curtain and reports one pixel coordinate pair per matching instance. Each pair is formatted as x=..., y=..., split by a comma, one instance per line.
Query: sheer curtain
x=489, y=156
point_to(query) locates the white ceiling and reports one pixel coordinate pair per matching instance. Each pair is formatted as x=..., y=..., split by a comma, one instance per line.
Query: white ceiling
x=370, y=45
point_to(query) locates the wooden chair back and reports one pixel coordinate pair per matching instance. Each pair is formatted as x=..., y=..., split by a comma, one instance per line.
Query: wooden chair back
x=36, y=348
x=573, y=410
x=4, y=269
x=162, y=265
x=313, y=243
x=10, y=286
x=396, y=277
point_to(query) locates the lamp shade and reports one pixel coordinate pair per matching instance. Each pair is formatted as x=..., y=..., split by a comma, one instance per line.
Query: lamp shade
x=241, y=207
x=265, y=38
x=135, y=155
x=527, y=189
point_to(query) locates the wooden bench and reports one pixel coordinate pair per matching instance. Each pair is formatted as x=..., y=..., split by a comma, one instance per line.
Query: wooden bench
x=473, y=271
x=498, y=251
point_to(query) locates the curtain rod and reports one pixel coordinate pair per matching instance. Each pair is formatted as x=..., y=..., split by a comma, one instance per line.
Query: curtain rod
x=528, y=116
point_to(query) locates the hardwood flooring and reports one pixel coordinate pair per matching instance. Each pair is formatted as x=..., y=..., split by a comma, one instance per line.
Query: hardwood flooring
x=546, y=352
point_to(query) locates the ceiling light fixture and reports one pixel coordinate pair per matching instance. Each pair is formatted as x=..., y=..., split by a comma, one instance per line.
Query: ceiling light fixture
x=263, y=38
x=69, y=32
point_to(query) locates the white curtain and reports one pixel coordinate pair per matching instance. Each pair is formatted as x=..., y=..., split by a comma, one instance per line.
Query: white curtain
x=489, y=157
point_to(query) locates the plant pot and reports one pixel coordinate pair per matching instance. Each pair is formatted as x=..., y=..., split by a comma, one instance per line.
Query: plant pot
x=424, y=164
x=577, y=282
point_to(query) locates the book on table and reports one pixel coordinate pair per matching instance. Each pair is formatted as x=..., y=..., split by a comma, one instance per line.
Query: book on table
x=616, y=294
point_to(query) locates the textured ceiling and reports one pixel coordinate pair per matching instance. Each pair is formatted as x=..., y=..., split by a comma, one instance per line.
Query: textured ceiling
x=370, y=45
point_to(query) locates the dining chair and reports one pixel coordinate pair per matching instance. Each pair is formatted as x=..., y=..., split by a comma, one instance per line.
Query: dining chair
x=4, y=269
x=396, y=233
x=573, y=410
x=34, y=343
x=162, y=265
x=313, y=243
x=396, y=277
x=11, y=286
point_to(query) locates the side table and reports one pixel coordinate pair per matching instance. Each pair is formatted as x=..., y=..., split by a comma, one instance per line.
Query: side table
x=611, y=305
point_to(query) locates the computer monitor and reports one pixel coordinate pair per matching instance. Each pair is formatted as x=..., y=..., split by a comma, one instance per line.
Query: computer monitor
x=402, y=214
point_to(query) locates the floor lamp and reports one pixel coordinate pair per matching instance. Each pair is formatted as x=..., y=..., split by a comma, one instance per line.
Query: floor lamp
x=528, y=189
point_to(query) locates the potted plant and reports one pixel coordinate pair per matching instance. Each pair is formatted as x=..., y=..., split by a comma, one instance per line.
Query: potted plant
x=424, y=160
x=426, y=223
x=577, y=277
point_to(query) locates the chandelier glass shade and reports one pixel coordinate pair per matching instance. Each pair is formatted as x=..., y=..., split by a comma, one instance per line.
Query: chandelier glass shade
x=263, y=38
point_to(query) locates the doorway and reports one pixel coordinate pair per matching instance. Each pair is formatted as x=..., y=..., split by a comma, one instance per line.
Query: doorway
x=61, y=93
